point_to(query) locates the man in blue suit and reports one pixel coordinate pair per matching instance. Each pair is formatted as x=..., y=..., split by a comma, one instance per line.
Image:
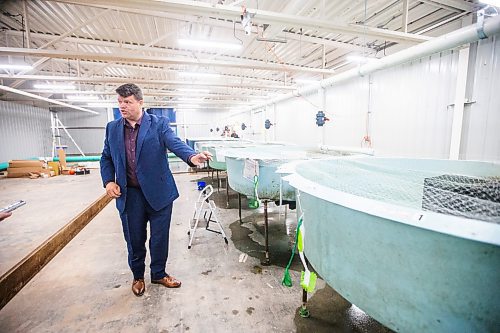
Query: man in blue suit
x=134, y=171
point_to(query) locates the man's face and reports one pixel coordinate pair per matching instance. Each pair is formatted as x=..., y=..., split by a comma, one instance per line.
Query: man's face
x=130, y=107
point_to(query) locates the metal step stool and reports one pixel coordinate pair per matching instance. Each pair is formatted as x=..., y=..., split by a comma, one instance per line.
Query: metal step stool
x=203, y=206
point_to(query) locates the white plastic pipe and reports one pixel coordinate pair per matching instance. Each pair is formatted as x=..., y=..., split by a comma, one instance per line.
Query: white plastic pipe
x=453, y=39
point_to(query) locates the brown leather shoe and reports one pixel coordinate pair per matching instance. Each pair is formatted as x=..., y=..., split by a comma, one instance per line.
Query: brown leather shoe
x=138, y=287
x=168, y=281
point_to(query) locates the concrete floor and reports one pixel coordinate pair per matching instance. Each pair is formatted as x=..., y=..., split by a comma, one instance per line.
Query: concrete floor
x=86, y=287
x=50, y=204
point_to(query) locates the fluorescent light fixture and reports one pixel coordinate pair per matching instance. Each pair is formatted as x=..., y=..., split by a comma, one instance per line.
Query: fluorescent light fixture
x=199, y=74
x=14, y=66
x=82, y=97
x=200, y=90
x=103, y=104
x=306, y=81
x=187, y=99
x=209, y=44
x=54, y=86
x=495, y=3
x=271, y=39
x=360, y=59
x=188, y=105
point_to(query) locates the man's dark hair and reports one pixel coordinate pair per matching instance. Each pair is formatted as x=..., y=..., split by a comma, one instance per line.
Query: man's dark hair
x=129, y=89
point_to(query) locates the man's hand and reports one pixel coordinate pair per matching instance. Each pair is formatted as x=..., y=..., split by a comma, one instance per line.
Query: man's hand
x=201, y=158
x=3, y=215
x=113, y=190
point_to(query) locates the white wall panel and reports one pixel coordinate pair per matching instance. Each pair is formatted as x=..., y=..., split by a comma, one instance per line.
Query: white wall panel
x=410, y=111
x=24, y=131
x=481, y=139
x=296, y=121
x=347, y=107
x=257, y=119
x=240, y=118
x=411, y=107
x=89, y=137
x=199, y=122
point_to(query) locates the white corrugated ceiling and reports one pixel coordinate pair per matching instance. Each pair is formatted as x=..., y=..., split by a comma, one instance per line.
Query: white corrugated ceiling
x=98, y=44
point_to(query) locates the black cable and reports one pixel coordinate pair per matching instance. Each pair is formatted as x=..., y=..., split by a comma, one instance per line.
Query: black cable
x=234, y=32
x=24, y=29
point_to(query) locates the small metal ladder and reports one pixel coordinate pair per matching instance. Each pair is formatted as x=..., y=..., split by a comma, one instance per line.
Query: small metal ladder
x=203, y=206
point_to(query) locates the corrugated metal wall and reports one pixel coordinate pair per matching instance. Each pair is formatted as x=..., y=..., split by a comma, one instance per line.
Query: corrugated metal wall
x=481, y=138
x=248, y=133
x=257, y=118
x=411, y=113
x=346, y=107
x=24, y=131
x=409, y=105
x=295, y=121
x=411, y=109
x=90, y=134
x=198, y=123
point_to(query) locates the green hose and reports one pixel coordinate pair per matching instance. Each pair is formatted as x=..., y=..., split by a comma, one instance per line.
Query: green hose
x=95, y=158
x=287, y=279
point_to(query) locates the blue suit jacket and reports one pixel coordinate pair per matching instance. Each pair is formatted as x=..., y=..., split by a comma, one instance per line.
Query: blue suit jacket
x=153, y=173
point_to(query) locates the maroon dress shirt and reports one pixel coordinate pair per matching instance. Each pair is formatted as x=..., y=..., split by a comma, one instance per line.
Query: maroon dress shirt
x=130, y=150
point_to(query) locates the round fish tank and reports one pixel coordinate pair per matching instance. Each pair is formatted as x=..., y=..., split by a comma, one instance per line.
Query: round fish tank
x=415, y=243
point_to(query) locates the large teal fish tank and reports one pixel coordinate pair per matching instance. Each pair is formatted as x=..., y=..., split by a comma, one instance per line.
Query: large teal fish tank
x=268, y=160
x=415, y=243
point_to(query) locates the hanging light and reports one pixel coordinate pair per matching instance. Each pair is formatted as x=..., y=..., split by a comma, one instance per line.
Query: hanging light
x=208, y=44
x=21, y=67
x=54, y=86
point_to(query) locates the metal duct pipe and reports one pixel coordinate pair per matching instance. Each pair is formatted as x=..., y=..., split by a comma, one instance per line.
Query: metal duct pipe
x=453, y=39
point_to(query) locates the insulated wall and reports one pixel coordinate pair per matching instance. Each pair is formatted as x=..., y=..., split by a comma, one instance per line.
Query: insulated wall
x=197, y=123
x=405, y=111
x=295, y=120
x=412, y=109
x=86, y=129
x=347, y=107
x=249, y=133
x=24, y=131
x=481, y=137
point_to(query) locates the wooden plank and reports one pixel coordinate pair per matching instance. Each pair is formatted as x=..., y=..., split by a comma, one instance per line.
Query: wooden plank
x=19, y=275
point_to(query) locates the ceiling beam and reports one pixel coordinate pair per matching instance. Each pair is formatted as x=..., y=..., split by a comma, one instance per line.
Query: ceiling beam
x=142, y=81
x=155, y=93
x=176, y=102
x=285, y=34
x=40, y=62
x=458, y=4
x=127, y=46
x=51, y=101
x=125, y=57
x=196, y=8
x=321, y=41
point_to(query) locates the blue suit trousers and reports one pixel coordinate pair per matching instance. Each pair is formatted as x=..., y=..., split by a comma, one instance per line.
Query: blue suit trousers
x=135, y=218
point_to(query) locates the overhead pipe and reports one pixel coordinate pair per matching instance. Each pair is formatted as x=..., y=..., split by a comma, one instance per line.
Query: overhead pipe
x=448, y=41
